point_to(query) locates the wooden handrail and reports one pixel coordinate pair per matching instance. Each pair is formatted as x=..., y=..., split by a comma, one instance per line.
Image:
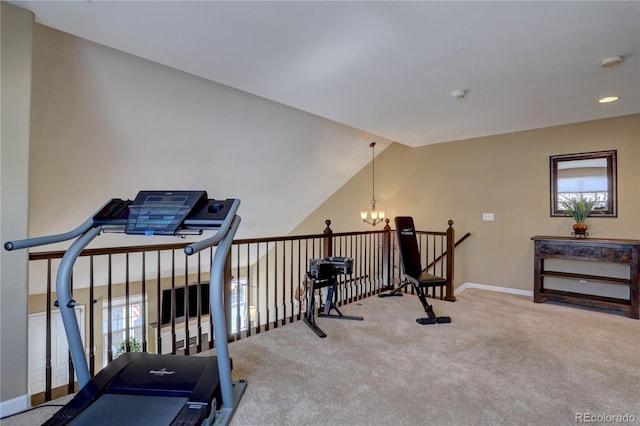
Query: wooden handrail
x=58, y=254
x=457, y=243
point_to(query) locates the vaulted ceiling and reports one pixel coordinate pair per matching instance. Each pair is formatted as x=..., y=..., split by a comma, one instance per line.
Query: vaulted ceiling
x=389, y=67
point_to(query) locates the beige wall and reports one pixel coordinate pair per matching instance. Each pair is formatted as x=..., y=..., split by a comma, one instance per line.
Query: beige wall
x=16, y=91
x=507, y=175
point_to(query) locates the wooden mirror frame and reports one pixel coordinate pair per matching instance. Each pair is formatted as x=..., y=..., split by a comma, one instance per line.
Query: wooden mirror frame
x=612, y=187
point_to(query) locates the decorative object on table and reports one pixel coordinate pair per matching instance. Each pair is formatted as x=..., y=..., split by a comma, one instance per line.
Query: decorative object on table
x=579, y=209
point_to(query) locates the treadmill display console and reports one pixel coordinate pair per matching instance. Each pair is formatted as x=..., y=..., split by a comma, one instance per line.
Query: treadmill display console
x=116, y=212
x=209, y=213
x=161, y=212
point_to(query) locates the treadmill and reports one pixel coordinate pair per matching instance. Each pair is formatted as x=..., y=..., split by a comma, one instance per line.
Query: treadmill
x=142, y=388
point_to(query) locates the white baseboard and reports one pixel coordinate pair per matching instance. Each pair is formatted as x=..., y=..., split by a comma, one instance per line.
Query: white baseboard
x=15, y=405
x=519, y=292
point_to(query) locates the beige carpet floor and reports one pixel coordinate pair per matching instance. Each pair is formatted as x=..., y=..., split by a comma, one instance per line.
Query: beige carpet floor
x=502, y=361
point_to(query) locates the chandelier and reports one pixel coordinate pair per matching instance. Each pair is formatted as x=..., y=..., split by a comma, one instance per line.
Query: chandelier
x=372, y=216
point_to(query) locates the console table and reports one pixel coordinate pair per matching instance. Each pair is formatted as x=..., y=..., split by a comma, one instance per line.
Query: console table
x=589, y=250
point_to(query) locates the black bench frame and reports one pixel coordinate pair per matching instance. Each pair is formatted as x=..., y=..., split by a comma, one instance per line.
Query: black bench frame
x=413, y=274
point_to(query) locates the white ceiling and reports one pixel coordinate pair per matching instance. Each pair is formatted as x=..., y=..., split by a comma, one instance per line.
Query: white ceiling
x=388, y=67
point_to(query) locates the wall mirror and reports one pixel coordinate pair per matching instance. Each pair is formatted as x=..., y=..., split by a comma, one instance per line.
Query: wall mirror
x=589, y=175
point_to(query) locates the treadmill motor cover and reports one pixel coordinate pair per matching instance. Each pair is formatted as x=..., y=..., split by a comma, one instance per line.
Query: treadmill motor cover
x=166, y=375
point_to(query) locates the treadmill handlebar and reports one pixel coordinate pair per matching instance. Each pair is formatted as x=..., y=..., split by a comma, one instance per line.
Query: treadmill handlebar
x=215, y=239
x=89, y=223
x=50, y=239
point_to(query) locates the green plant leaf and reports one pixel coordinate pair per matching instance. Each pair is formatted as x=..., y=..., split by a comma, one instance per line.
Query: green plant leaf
x=578, y=208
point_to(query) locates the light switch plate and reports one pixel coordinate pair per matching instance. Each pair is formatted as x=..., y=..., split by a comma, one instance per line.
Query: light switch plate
x=488, y=217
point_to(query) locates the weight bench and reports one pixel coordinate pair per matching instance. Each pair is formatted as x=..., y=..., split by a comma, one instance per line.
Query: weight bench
x=412, y=270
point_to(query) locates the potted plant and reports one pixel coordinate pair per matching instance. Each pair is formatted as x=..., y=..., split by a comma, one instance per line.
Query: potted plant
x=579, y=209
x=134, y=345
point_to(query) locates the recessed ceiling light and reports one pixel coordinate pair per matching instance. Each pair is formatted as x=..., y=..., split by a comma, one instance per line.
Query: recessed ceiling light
x=608, y=99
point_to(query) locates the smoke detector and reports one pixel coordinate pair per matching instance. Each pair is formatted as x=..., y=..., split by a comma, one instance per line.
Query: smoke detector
x=459, y=93
x=611, y=61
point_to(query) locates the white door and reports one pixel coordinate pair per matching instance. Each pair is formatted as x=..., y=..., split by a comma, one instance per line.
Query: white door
x=59, y=349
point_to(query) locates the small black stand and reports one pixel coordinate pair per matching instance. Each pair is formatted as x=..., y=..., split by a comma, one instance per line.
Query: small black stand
x=329, y=304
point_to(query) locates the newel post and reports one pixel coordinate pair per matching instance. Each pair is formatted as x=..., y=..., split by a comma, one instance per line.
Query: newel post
x=450, y=263
x=386, y=256
x=327, y=246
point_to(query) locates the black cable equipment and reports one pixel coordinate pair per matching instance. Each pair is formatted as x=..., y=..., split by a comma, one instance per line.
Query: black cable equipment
x=323, y=273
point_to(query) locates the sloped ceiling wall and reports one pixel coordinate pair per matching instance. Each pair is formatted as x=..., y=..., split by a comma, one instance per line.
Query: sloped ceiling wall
x=106, y=124
x=388, y=67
